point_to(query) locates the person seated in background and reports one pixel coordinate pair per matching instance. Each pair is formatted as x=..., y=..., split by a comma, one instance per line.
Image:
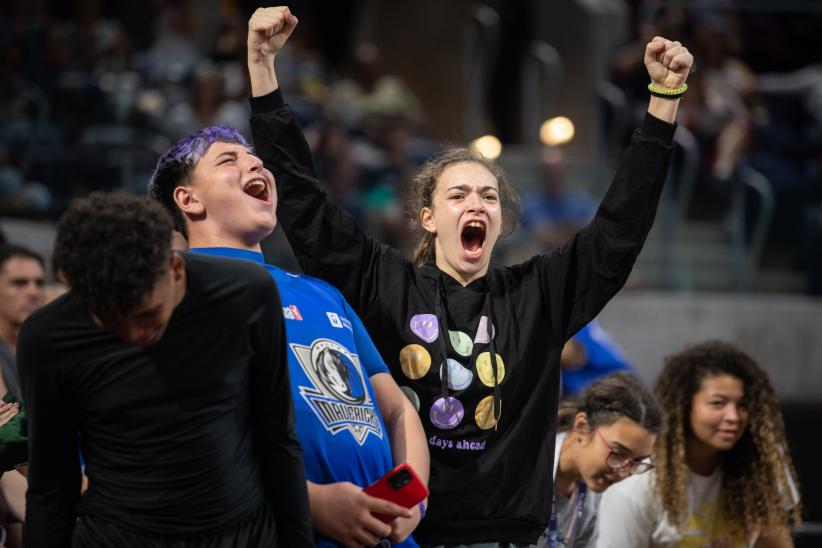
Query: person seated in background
x=604, y=436
x=168, y=370
x=552, y=213
x=590, y=354
x=723, y=474
x=353, y=421
x=22, y=291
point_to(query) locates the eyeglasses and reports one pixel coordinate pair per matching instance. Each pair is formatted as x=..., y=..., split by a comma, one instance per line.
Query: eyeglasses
x=617, y=460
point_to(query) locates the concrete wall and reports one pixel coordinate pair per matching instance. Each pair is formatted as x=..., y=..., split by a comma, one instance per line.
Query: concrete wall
x=783, y=332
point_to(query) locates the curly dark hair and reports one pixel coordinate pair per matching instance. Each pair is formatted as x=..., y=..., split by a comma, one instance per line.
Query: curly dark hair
x=757, y=473
x=111, y=248
x=609, y=399
x=422, y=192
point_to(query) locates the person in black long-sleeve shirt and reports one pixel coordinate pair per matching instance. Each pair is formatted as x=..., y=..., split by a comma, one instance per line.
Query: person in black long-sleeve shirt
x=159, y=367
x=476, y=348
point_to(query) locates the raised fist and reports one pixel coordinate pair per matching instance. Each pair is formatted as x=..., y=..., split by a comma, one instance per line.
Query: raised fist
x=268, y=30
x=668, y=62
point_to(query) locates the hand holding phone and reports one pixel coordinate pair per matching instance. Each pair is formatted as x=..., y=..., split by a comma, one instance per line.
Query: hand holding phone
x=400, y=486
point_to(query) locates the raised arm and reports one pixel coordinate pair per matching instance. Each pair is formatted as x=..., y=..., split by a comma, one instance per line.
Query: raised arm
x=272, y=425
x=583, y=275
x=327, y=241
x=54, y=466
x=268, y=30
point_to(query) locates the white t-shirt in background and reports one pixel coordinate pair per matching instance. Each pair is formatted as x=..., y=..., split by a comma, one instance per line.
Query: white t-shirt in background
x=631, y=517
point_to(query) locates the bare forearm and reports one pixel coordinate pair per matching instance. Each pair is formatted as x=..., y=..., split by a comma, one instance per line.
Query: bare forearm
x=664, y=109
x=14, y=485
x=314, y=500
x=262, y=75
x=268, y=31
x=408, y=441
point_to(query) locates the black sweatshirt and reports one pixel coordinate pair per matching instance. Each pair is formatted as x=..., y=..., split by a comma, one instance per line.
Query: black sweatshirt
x=184, y=438
x=487, y=484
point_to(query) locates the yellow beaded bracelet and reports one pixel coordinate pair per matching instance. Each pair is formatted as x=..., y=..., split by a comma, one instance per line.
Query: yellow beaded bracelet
x=667, y=93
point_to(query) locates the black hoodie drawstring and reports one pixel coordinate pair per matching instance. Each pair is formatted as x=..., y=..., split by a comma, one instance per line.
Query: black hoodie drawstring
x=443, y=328
x=497, y=398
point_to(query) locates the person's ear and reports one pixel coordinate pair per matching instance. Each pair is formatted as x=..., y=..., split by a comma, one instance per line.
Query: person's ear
x=581, y=426
x=427, y=220
x=187, y=200
x=177, y=266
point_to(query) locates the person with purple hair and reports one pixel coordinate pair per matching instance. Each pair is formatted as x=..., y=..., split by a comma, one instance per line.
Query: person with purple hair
x=352, y=419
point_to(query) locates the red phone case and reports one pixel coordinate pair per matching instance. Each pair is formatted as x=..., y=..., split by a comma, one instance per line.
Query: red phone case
x=411, y=492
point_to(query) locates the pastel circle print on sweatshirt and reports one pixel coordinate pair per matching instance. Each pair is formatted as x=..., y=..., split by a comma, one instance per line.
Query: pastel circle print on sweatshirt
x=461, y=343
x=484, y=414
x=482, y=336
x=446, y=413
x=415, y=361
x=412, y=397
x=459, y=377
x=425, y=326
x=486, y=372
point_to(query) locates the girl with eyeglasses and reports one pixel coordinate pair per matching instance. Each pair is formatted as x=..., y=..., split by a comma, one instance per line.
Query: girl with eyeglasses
x=605, y=436
x=723, y=475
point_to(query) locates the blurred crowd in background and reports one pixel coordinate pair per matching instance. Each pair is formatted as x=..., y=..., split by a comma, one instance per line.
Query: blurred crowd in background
x=93, y=91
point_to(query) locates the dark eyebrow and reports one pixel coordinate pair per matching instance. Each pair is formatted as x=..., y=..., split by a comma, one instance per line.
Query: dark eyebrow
x=466, y=188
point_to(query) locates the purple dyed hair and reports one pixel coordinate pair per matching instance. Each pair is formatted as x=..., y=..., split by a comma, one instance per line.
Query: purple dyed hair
x=178, y=163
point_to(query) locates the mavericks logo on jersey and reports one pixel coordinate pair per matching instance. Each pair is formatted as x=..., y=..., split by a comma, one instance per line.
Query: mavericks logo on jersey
x=339, y=396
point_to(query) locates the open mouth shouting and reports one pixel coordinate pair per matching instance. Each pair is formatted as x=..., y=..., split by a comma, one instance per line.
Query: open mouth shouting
x=473, y=237
x=258, y=188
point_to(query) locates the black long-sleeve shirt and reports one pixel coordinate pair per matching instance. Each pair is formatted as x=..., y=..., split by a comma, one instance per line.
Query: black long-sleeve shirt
x=186, y=437
x=487, y=484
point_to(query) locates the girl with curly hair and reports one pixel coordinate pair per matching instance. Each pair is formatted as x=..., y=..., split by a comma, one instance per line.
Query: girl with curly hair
x=723, y=476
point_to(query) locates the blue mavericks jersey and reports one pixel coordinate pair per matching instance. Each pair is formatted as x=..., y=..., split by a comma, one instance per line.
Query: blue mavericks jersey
x=331, y=359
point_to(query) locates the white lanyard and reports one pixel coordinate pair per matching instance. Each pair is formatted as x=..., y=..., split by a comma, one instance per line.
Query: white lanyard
x=554, y=536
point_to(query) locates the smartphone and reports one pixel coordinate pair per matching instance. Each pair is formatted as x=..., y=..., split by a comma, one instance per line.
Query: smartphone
x=400, y=486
